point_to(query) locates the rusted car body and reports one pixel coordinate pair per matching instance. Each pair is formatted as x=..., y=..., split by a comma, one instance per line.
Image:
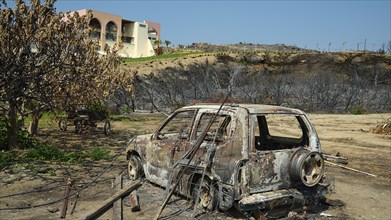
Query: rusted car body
x=258, y=156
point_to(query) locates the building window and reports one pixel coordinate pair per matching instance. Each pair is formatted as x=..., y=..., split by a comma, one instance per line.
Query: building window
x=95, y=26
x=95, y=35
x=110, y=37
x=127, y=40
x=111, y=31
x=143, y=25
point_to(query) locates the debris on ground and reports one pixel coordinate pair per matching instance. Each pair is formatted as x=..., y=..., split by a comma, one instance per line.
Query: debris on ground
x=326, y=215
x=338, y=158
x=334, y=202
x=383, y=128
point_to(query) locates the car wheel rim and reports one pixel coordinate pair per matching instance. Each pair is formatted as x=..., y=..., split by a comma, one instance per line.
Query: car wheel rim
x=312, y=169
x=307, y=167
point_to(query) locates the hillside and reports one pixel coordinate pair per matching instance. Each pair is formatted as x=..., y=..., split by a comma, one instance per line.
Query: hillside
x=313, y=81
x=291, y=62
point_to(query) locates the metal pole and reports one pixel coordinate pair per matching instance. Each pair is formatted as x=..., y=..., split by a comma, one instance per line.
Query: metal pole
x=65, y=205
x=365, y=44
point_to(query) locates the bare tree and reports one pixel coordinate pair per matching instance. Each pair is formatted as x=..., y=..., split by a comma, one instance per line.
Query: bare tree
x=47, y=62
x=279, y=86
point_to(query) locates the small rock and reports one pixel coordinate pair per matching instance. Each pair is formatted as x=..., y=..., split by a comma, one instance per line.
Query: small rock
x=292, y=214
x=43, y=170
x=53, y=209
x=9, y=171
x=10, y=179
x=335, y=202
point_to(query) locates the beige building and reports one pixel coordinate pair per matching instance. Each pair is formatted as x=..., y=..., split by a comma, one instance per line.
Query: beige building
x=137, y=38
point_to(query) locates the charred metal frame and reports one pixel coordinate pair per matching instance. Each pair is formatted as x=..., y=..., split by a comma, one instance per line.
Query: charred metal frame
x=255, y=178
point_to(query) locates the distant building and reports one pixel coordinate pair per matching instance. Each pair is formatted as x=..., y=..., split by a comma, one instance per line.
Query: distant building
x=137, y=38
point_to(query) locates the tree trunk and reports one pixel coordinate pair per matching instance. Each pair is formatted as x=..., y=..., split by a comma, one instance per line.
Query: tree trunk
x=133, y=103
x=12, y=130
x=20, y=123
x=33, y=127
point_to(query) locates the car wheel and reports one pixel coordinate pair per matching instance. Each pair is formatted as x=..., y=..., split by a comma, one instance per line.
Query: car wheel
x=62, y=124
x=207, y=196
x=134, y=167
x=307, y=167
x=107, y=127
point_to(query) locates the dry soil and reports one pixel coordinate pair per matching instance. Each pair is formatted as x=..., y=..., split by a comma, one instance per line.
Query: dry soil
x=355, y=195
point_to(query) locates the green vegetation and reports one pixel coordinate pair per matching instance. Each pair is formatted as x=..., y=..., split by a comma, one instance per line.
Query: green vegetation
x=358, y=110
x=99, y=154
x=164, y=56
x=75, y=156
x=3, y=132
x=66, y=147
x=47, y=119
x=53, y=153
x=37, y=151
x=44, y=152
x=6, y=159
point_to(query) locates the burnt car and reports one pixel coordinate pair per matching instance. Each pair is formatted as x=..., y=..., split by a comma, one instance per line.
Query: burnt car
x=257, y=156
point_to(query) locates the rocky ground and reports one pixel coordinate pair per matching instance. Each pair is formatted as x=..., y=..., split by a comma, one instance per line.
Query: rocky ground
x=34, y=190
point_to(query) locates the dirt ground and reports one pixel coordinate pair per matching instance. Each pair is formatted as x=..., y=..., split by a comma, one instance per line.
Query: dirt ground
x=25, y=189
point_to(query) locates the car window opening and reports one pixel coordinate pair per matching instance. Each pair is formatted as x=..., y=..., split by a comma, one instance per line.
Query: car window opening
x=220, y=129
x=178, y=127
x=279, y=131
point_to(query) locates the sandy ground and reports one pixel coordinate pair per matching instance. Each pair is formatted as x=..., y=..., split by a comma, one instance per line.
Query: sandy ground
x=363, y=196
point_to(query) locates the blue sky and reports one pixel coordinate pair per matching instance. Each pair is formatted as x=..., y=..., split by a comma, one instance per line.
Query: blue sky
x=310, y=24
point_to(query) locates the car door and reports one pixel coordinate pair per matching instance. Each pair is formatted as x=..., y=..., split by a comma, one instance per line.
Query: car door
x=275, y=139
x=168, y=144
x=222, y=145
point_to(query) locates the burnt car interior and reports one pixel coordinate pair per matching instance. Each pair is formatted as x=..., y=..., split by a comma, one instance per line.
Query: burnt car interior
x=220, y=129
x=270, y=133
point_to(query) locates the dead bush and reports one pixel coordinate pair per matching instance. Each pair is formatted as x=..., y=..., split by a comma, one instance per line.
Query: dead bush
x=383, y=128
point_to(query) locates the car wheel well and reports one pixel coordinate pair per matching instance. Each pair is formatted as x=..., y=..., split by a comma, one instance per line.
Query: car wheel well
x=195, y=179
x=132, y=152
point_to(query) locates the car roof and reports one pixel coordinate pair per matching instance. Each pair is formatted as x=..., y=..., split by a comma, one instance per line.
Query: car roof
x=251, y=108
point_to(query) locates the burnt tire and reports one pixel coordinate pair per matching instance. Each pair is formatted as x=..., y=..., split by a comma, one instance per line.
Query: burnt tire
x=307, y=167
x=207, y=196
x=107, y=128
x=134, y=169
x=62, y=124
